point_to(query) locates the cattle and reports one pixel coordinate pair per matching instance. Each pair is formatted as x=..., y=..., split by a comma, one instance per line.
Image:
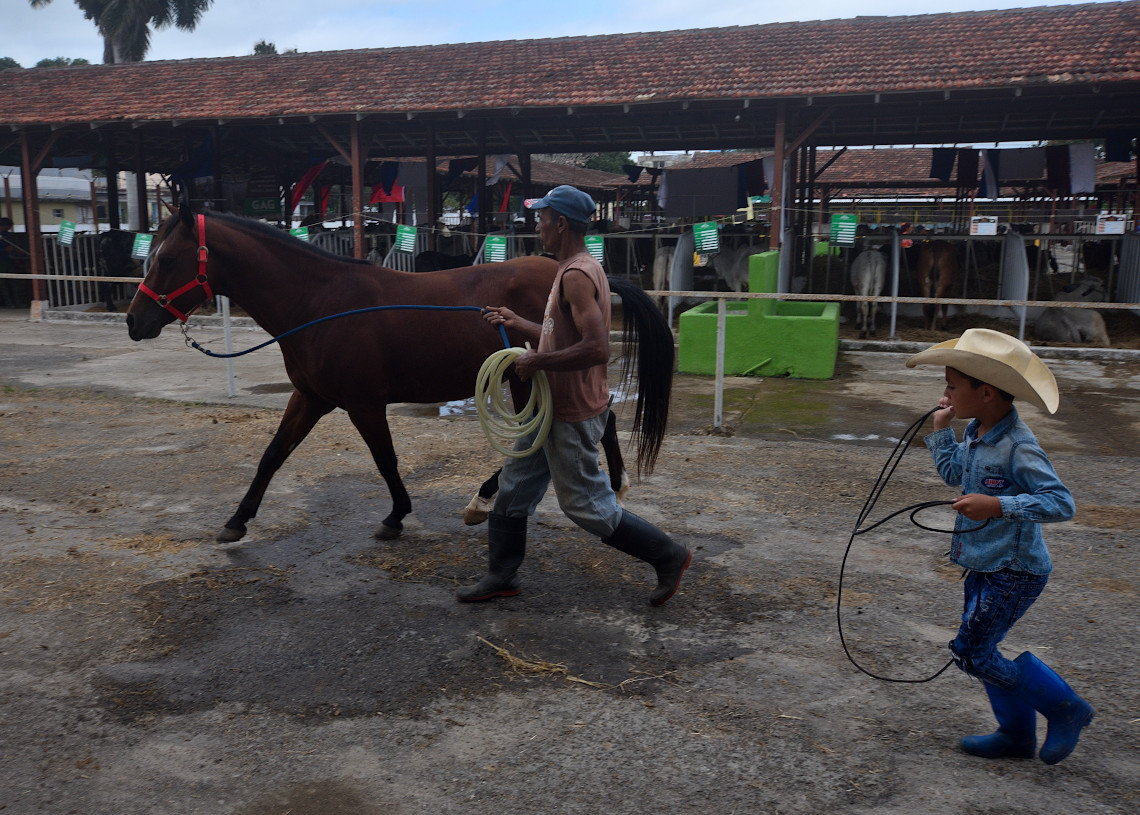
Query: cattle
x=937, y=274
x=1072, y=325
x=868, y=273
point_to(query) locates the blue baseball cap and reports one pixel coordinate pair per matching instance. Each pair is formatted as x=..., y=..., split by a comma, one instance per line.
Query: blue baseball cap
x=566, y=200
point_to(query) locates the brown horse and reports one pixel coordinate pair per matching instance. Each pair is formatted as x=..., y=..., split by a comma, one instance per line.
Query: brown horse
x=364, y=362
x=937, y=274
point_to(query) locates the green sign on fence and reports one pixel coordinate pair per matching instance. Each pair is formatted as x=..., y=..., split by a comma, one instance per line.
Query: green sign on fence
x=141, y=247
x=706, y=236
x=66, y=233
x=405, y=238
x=843, y=226
x=495, y=249
x=300, y=232
x=595, y=245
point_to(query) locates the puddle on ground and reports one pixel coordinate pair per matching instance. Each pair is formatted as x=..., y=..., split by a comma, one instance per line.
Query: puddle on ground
x=462, y=408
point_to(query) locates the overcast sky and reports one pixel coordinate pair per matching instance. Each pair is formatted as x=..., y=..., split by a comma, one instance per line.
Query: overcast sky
x=232, y=27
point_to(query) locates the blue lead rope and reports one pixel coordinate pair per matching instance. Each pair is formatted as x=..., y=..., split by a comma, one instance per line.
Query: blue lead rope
x=193, y=344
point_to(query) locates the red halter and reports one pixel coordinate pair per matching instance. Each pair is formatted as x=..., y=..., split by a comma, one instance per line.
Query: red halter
x=167, y=300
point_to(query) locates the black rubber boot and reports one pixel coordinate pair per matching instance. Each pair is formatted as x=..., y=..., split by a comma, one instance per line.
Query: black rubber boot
x=506, y=547
x=644, y=541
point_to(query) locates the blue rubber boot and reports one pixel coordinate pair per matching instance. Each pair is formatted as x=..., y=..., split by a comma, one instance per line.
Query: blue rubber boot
x=1016, y=736
x=1052, y=697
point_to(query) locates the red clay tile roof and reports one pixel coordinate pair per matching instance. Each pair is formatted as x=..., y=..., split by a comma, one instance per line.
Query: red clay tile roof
x=1055, y=45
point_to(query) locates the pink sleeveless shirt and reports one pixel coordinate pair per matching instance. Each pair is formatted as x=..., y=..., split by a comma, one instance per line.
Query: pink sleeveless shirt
x=583, y=394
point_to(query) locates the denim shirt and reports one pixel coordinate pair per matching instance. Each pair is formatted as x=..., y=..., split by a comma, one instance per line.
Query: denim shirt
x=1008, y=463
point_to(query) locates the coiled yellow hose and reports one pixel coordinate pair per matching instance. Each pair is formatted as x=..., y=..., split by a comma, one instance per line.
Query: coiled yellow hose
x=499, y=420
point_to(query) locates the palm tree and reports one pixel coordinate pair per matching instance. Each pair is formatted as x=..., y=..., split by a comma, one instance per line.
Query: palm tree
x=125, y=24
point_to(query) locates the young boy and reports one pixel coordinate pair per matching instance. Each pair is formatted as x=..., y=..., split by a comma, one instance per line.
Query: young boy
x=1008, y=484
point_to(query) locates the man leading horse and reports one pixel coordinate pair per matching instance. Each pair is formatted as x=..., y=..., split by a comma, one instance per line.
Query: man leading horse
x=573, y=349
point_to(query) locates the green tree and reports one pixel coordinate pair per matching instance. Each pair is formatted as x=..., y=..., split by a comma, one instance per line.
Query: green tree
x=609, y=162
x=125, y=24
x=264, y=48
x=61, y=62
x=8, y=62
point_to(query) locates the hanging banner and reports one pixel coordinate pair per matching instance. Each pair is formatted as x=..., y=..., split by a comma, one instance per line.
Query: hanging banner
x=141, y=247
x=495, y=249
x=843, y=226
x=706, y=236
x=66, y=233
x=595, y=245
x=300, y=232
x=405, y=238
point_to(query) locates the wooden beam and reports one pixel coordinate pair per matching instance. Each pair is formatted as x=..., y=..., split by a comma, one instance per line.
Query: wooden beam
x=336, y=145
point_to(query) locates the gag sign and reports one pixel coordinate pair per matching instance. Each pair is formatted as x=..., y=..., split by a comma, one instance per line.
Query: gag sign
x=595, y=245
x=262, y=198
x=66, y=233
x=983, y=225
x=261, y=207
x=141, y=247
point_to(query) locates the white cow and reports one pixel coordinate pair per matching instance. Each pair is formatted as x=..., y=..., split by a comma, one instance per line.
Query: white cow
x=1083, y=325
x=868, y=273
x=731, y=265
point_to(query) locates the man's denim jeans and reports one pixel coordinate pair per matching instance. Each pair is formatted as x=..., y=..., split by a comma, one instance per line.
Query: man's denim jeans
x=569, y=459
x=994, y=601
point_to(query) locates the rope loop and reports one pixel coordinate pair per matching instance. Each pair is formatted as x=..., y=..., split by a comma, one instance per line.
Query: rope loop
x=502, y=424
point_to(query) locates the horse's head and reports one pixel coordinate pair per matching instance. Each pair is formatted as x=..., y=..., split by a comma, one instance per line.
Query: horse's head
x=176, y=282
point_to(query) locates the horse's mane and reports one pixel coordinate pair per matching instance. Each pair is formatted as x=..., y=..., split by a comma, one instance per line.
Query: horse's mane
x=284, y=238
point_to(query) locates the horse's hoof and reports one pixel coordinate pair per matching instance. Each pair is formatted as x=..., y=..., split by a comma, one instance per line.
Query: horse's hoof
x=477, y=510
x=386, y=533
x=230, y=535
x=623, y=490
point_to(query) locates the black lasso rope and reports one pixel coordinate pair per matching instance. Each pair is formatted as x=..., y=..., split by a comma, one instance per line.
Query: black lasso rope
x=885, y=474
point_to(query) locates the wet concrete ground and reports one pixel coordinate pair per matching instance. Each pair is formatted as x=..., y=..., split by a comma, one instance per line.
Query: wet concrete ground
x=316, y=671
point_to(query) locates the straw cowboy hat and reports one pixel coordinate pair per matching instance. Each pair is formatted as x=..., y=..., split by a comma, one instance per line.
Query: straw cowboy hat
x=996, y=359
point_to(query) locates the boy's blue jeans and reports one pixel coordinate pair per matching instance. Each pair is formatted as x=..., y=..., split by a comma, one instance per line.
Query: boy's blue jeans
x=994, y=601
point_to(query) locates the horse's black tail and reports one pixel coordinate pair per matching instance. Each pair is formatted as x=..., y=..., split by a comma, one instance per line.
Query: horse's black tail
x=646, y=335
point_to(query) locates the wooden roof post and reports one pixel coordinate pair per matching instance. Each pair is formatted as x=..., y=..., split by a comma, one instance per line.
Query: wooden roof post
x=113, y=218
x=357, y=193
x=527, y=189
x=433, y=208
x=29, y=168
x=140, y=185
x=776, y=182
x=481, y=184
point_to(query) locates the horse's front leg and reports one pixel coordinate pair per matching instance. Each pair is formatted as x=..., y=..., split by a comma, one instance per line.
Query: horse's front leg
x=302, y=413
x=479, y=507
x=372, y=425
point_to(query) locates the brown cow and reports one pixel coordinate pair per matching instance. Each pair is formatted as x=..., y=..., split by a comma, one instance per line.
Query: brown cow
x=937, y=274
